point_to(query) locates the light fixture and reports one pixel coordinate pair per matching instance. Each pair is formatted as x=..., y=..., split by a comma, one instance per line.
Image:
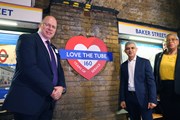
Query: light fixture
x=145, y=39
x=12, y=32
x=8, y=23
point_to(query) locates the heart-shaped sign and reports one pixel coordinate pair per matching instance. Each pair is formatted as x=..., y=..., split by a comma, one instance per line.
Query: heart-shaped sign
x=88, y=68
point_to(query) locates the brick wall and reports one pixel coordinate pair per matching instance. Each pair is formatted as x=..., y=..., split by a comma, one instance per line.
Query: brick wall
x=164, y=13
x=96, y=99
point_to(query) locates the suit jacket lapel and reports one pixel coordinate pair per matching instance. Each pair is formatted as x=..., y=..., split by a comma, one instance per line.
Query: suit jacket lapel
x=43, y=48
x=136, y=67
x=126, y=70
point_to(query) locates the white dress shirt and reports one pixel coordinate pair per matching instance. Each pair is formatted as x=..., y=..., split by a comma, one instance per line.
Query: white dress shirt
x=131, y=69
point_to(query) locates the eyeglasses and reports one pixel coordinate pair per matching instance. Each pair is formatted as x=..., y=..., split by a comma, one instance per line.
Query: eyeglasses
x=49, y=25
x=171, y=40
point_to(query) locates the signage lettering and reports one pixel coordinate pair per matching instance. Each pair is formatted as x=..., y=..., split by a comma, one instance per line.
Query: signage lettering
x=15, y=12
x=94, y=69
x=6, y=12
x=157, y=34
x=86, y=55
x=150, y=33
x=73, y=54
x=143, y=32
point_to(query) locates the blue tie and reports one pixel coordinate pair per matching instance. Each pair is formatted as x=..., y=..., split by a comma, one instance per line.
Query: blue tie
x=53, y=64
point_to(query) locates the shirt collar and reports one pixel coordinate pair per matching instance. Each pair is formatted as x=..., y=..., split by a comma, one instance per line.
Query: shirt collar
x=133, y=59
x=42, y=37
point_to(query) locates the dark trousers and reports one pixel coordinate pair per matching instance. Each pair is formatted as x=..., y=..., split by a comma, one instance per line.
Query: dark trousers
x=46, y=113
x=169, y=101
x=135, y=110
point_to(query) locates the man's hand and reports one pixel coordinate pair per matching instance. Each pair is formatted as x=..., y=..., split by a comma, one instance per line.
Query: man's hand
x=57, y=92
x=151, y=105
x=123, y=104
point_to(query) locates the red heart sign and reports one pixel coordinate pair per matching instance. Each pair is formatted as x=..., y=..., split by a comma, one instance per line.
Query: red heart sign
x=86, y=68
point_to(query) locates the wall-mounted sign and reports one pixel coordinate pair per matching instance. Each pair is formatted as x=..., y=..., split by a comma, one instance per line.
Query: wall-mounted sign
x=3, y=55
x=8, y=41
x=19, y=2
x=140, y=30
x=15, y=12
x=3, y=93
x=7, y=49
x=86, y=55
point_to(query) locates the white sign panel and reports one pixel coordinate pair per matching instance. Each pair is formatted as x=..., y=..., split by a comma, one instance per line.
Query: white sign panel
x=18, y=2
x=139, y=30
x=20, y=13
x=145, y=50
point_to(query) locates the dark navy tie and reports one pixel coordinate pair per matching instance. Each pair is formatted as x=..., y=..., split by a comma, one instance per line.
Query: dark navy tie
x=53, y=64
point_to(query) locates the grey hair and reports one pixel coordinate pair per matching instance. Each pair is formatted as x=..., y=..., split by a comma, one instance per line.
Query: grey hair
x=171, y=34
x=130, y=42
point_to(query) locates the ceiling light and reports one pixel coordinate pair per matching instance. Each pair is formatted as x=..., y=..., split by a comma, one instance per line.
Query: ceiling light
x=11, y=32
x=8, y=23
x=145, y=39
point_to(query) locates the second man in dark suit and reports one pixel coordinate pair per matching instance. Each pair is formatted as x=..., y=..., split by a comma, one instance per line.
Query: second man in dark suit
x=137, y=85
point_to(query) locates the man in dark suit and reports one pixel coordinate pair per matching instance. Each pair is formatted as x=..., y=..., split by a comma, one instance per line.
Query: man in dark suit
x=137, y=85
x=35, y=86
